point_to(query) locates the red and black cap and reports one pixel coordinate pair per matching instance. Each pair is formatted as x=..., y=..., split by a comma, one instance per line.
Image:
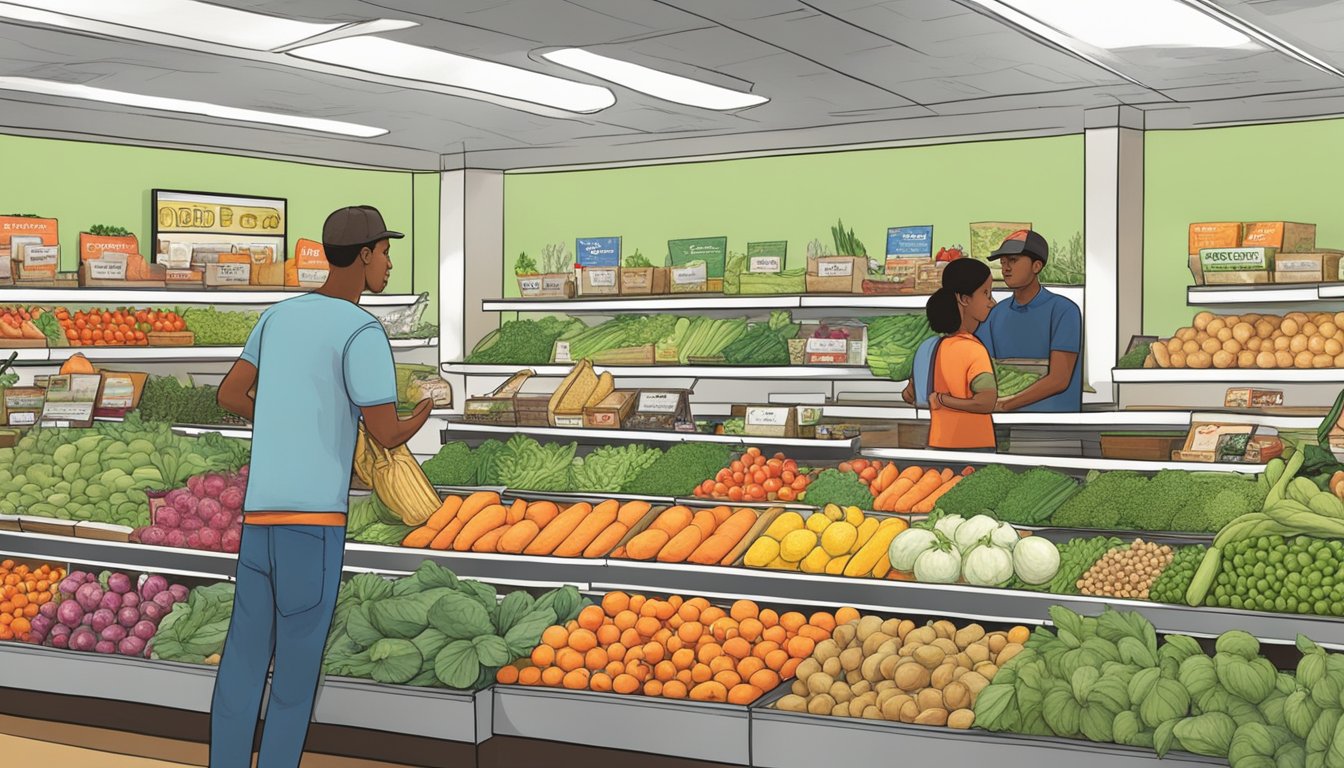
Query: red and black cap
x=356, y=225
x=1023, y=242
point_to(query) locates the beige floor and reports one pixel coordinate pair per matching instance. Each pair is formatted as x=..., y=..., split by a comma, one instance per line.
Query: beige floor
x=20, y=750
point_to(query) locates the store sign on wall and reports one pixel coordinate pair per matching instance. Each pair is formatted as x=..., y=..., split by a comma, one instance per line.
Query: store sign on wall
x=767, y=257
x=598, y=252
x=713, y=251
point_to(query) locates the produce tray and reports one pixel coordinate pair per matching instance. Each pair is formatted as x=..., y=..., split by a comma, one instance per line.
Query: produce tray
x=684, y=729
x=514, y=570
x=100, y=676
x=796, y=740
x=591, y=498
x=436, y=713
x=139, y=557
x=1161, y=537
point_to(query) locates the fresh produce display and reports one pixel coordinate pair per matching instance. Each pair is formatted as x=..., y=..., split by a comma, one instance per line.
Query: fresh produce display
x=214, y=327
x=1075, y=558
x=702, y=337
x=369, y=521
x=454, y=464
x=841, y=488
x=898, y=671
x=1127, y=572
x=1175, y=579
x=1171, y=500
x=609, y=468
x=1135, y=357
x=831, y=541
x=681, y=470
x=525, y=464
x=102, y=473
x=207, y=513
x=396, y=477
x=753, y=477
x=914, y=489
x=1011, y=380
x=1027, y=498
x=892, y=342
x=1109, y=679
x=620, y=333
x=18, y=323
x=434, y=629
x=1295, y=340
x=482, y=523
x=681, y=535
x=121, y=327
x=981, y=551
x=23, y=593
x=523, y=342
x=194, y=631
x=674, y=649
x=739, y=279
x=107, y=613
x=166, y=399
x=763, y=343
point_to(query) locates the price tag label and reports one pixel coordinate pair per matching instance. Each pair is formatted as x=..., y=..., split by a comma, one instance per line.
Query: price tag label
x=765, y=264
x=67, y=412
x=179, y=256
x=41, y=255
x=569, y=422
x=601, y=277
x=107, y=267
x=528, y=285
x=312, y=275
x=688, y=275
x=828, y=346
x=229, y=274
x=808, y=415
x=562, y=352
x=22, y=418
x=767, y=417
x=835, y=268
x=182, y=276
x=659, y=402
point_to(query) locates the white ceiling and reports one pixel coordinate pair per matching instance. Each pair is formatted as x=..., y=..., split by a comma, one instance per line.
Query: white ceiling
x=837, y=72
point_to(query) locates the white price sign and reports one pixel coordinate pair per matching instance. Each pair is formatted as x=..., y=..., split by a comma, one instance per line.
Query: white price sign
x=828, y=346
x=107, y=268
x=659, y=402
x=230, y=274
x=766, y=264
x=562, y=352
x=41, y=255
x=835, y=268
x=688, y=275
x=601, y=277
x=767, y=417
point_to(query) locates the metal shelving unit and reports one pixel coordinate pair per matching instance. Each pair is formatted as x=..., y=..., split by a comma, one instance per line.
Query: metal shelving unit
x=165, y=297
x=458, y=430
x=720, y=302
x=1078, y=463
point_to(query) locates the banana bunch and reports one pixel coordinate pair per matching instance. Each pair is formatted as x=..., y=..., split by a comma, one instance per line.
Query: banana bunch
x=400, y=483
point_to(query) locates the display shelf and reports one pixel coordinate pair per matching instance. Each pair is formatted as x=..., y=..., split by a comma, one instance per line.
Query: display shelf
x=686, y=729
x=514, y=570
x=448, y=715
x=165, y=354
x=460, y=429
x=104, y=676
x=166, y=297
x=116, y=554
x=1081, y=463
x=738, y=372
x=242, y=433
x=1203, y=295
x=796, y=740
x=1230, y=375
x=1331, y=291
x=720, y=302
x=414, y=343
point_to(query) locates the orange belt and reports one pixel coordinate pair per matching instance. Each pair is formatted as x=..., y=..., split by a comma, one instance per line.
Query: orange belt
x=294, y=518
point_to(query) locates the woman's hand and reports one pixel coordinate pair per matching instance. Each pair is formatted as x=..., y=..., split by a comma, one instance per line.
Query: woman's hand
x=936, y=401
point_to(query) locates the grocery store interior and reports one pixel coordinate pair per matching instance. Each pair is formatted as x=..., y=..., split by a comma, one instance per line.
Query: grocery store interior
x=689, y=493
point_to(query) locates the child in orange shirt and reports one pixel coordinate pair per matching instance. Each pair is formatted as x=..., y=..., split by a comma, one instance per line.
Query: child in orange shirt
x=964, y=390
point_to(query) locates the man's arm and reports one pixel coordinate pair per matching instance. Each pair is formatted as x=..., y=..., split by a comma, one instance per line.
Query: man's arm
x=383, y=425
x=235, y=391
x=908, y=394
x=1055, y=380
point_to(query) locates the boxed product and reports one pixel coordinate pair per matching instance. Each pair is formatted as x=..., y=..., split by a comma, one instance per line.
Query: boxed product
x=19, y=232
x=661, y=410
x=1216, y=442
x=929, y=277
x=768, y=420
x=120, y=393
x=1263, y=448
x=71, y=399
x=836, y=274
x=644, y=281
x=1140, y=446
x=231, y=271
x=268, y=264
x=309, y=267
x=498, y=406
x=33, y=261
x=901, y=273
x=611, y=411
x=581, y=388
x=837, y=431
x=689, y=278
x=1317, y=267
x=22, y=405
x=599, y=281
x=1232, y=266
x=424, y=385
x=767, y=257
x=1220, y=234
x=712, y=251
x=905, y=244
x=555, y=286
x=532, y=410
x=1284, y=236
x=1249, y=397
x=844, y=343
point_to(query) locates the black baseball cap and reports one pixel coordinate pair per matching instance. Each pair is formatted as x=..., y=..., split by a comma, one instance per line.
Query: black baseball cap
x=1023, y=241
x=356, y=225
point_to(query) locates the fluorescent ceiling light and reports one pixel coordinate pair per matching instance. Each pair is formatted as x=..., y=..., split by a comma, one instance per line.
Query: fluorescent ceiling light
x=412, y=62
x=89, y=93
x=674, y=88
x=204, y=22
x=1117, y=24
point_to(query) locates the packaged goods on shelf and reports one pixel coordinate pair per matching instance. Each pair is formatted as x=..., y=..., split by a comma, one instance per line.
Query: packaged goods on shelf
x=663, y=410
x=611, y=411
x=1317, y=267
x=599, y=281
x=836, y=274
x=761, y=271
x=1283, y=236
x=1250, y=397
x=842, y=343
x=1233, y=266
x=500, y=405
x=644, y=281
x=1225, y=234
x=551, y=286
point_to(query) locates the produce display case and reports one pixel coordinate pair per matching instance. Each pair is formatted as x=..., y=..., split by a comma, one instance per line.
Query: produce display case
x=460, y=716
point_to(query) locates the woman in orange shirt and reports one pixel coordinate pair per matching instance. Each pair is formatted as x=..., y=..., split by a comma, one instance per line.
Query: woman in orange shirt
x=964, y=391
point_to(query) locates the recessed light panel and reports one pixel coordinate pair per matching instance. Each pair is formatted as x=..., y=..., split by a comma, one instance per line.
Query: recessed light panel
x=662, y=85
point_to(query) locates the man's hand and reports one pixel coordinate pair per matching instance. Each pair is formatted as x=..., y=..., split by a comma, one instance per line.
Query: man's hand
x=1003, y=404
x=389, y=430
x=422, y=408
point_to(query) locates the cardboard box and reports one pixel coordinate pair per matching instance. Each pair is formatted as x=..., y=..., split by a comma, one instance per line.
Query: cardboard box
x=852, y=350
x=713, y=251
x=644, y=281
x=661, y=410
x=1263, y=448
x=599, y=281
x=1248, y=397
x=1212, y=441
x=836, y=274
x=1284, y=236
x=532, y=410
x=612, y=411
x=554, y=286
x=929, y=277
x=902, y=273
x=498, y=406
x=309, y=267
x=690, y=279
x=1318, y=267
x=1233, y=266
x=1222, y=234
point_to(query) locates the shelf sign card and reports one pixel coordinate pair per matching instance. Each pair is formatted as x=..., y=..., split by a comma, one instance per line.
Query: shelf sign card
x=108, y=266
x=908, y=243
x=713, y=251
x=767, y=257
x=660, y=402
x=228, y=274
x=598, y=252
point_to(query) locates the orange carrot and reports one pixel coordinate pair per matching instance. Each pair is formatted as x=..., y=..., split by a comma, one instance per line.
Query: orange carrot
x=444, y=539
x=419, y=538
x=926, y=506
x=516, y=511
x=445, y=514
x=926, y=485
x=886, y=477
x=947, y=475
x=886, y=501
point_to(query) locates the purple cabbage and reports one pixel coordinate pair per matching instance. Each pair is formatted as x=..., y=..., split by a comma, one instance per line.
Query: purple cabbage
x=153, y=585
x=179, y=593
x=71, y=583
x=111, y=601
x=42, y=625
x=127, y=617
x=70, y=613
x=83, y=639
x=144, y=630
x=165, y=599
x=102, y=619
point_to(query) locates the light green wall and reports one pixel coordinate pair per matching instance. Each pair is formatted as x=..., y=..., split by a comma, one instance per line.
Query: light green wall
x=798, y=198
x=82, y=184
x=1287, y=172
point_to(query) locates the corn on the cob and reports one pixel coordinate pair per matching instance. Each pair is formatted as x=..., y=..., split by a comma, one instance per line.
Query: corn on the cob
x=402, y=485
x=363, y=457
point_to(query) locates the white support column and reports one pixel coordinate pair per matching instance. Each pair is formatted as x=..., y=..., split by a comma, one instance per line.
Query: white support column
x=471, y=257
x=1113, y=240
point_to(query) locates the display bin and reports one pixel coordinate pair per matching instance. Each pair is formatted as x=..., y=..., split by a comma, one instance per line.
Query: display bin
x=684, y=729
x=512, y=570
x=437, y=713
x=796, y=740
x=102, y=676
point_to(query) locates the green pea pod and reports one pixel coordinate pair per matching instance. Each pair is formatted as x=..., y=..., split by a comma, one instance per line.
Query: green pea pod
x=1204, y=576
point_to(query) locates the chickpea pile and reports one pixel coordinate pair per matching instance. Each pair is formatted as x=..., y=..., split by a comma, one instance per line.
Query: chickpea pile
x=1294, y=340
x=1127, y=571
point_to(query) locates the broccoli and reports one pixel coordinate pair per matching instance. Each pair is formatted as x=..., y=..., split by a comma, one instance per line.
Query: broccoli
x=1220, y=509
x=678, y=471
x=981, y=490
x=843, y=489
x=452, y=465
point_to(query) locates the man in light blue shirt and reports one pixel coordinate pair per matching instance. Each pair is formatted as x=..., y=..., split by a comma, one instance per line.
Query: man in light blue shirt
x=318, y=363
x=1035, y=324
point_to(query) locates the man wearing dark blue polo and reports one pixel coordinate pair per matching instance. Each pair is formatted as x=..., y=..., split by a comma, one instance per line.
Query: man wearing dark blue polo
x=1035, y=324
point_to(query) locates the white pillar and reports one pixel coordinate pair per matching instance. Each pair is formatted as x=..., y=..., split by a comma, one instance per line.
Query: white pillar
x=471, y=258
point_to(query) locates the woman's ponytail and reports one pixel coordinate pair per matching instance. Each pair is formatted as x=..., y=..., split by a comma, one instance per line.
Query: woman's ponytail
x=942, y=311
x=961, y=277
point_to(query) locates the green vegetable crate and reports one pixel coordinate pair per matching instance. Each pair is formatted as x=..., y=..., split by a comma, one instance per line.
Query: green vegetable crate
x=555, y=286
x=836, y=274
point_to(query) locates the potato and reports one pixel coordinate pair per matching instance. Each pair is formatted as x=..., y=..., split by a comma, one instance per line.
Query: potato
x=826, y=649
x=865, y=700
x=1322, y=361
x=987, y=669
x=937, y=716
x=957, y=695
x=1289, y=326
x=921, y=636
x=1203, y=319
x=861, y=687
x=892, y=627
x=820, y=683
x=1008, y=652
x=1255, y=344
x=1284, y=358
x=962, y=719
x=840, y=710
x=1281, y=343
x=909, y=711
x=887, y=666
x=1190, y=347
x=872, y=713
x=968, y=634
x=950, y=648
x=975, y=681
x=868, y=625
x=1339, y=360
x=808, y=668
x=851, y=659
x=941, y=676
x=1300, y=317
x=1266, y=360
x=875, y=641
x=891, y=646
x=886, y=685
x=905, y=627
x=1186, y=334
x=832, y=667
x=844, y=635
x=792, y=703
x=1178, y=359
x=976, y=654
x=908, y=649
x=841, y=693
x=930, y=656
x=1316, y=345
x=1328, y=329
x=892, y=707
x=929, y=698
x=1303, y=359
x=870, y=669
x=856, y=707
x=1297, y=344
x=997, y=641
x=1199, y=359
x=799, y=687
x=1243, y=331
x=1246, y=359
x=821, y=705
x=959, y=673
x=945, y=628
x=884, y=696
x=1214, y=326
x=1309, y=329
x=1334, y=347
x=911, y=677
x=1223, y=359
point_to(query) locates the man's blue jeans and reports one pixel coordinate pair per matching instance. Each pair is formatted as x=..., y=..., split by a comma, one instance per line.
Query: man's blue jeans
x=288, y=577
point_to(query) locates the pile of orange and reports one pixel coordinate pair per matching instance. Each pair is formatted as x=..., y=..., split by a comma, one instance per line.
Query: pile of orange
x=116, y=328
x=23, y=591
x=753, y=477
x=675, y=648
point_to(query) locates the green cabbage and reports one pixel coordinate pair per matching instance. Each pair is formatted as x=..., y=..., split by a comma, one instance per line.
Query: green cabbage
x=394, y=661
x=1208, y=734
